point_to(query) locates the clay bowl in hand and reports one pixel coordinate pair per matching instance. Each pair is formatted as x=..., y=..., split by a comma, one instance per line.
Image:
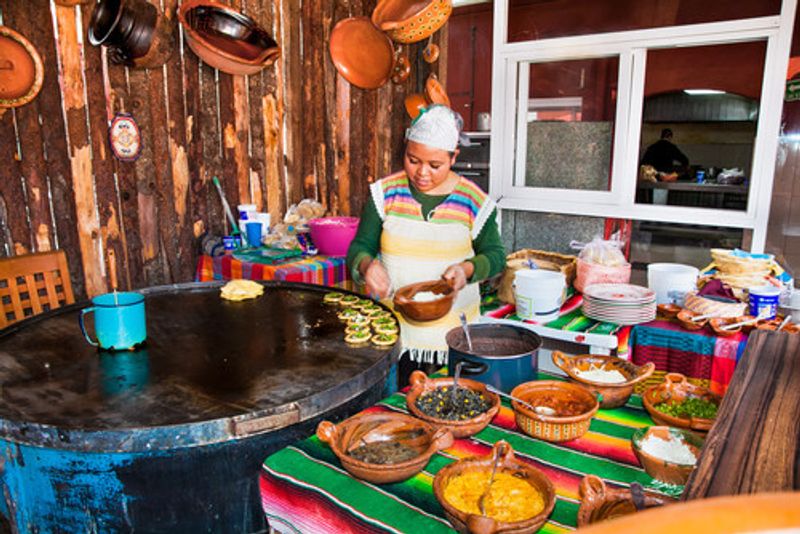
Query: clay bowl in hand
x=685, y=318
x=421, y=384
x=717, y=324
x=406, y=300
x=410, y=21
x=600, y=502
x=669, y=311
x=361, y=53
x=676, y=389
x=470, y=520
x=403, y=433
x=225, y=38
x=573, y=406
x=611, y=395
x=659, y=468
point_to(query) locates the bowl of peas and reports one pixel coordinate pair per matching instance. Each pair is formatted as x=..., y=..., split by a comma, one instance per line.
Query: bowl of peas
x=678, y=403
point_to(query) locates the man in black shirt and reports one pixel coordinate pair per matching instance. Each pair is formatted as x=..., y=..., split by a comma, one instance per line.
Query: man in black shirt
x=663, y=154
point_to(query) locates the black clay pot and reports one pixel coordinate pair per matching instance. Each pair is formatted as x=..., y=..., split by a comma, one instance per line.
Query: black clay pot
x=502, y=355
x=126, y=27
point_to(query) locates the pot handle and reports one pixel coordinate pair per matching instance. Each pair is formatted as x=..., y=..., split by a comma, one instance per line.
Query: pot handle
x=644, y=372
x=561, y=360
x=481, y=524
x=83, y=326
x=442, y=438
x=592, y=490
x=470, y=368
x=503, y=450
x=417, y=378
x=327, y=432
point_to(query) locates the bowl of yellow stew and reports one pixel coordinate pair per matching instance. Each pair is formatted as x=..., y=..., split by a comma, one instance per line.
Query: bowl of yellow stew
x=519, y=499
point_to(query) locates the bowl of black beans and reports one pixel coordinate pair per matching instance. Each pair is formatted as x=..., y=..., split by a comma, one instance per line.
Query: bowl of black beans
x=384, y=447
x=464, y=411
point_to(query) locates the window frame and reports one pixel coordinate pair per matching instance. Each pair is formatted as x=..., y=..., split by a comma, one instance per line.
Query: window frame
x=508, y=137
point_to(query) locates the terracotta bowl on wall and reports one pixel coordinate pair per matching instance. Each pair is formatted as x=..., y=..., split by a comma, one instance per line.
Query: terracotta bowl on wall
x=361, y=53
x=21, y=69
x=225, y=38
x=410, y=21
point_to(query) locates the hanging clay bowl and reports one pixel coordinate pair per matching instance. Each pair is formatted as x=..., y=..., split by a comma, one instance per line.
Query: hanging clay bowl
x=71, y=3
x=21, y=70
x=136, y=32
x=225, y=38
x=434, y=91
x=410, y=21
x=415, y=103
x=362, y=53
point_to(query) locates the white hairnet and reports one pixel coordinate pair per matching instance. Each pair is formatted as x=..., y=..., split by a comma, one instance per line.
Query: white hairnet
x=436, y=126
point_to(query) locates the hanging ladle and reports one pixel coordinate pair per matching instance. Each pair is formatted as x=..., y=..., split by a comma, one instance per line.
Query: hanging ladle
x=431, y=52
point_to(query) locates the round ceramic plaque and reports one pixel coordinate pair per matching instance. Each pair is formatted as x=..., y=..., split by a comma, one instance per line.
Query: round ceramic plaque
x=125, y=137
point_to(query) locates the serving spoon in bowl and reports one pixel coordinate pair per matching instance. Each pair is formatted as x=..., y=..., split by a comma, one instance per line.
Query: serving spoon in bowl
x=541, y=410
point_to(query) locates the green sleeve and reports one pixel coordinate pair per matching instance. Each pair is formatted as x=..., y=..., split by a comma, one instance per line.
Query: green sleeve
x=490, y=256
x=367, y=241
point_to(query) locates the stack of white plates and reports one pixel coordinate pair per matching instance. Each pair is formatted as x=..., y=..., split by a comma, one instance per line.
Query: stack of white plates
x=623, y=304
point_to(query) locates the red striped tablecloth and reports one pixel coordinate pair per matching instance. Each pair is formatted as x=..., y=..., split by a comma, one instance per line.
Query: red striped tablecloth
x=305, y=489
x=319, y=270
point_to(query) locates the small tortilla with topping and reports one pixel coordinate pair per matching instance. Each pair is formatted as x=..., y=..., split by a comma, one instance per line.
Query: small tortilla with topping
x=332, y=298
x=348, y=300
x=237, y=290
x=386, y=329
x=357, y=319
x=356, y=328
x=384, y=340
x=357, y=338
x=347, y=314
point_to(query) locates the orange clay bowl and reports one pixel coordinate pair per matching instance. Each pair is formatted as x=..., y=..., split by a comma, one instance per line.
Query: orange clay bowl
x=560, y=396
x=658, y=468
x=669, y=311
x=720, y=515
x=415, y=102
x=424, y=311
x=685, y=316
x=434, y=91
x=773, y=325
x=420, y=384
x=370, y=428
x=611, y=395
x=506, y=463
x=600, y=502
x=410, y=21
x=718, y=322
x=676, y=388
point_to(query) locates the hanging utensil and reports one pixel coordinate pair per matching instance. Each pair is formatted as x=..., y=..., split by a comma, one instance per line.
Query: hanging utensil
x=112, y=273
x=402, y=67
x=431, y=52
x=465, y=327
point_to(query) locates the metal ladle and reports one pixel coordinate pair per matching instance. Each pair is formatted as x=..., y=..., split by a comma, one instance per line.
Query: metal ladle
x=465, y=327
x=456, y=374
x=541, y=410
x=482, y=498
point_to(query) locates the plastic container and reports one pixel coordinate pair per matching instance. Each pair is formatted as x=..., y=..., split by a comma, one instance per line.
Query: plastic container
x=764, y=301
x=539, y=294
x=332, y=235
x=593, y=273
x=671, y=281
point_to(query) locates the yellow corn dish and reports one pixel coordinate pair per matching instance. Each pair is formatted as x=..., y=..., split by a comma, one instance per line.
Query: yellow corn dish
x=511, y=499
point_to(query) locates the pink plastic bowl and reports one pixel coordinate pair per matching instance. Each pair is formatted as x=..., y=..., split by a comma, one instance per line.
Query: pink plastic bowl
x=332, y=235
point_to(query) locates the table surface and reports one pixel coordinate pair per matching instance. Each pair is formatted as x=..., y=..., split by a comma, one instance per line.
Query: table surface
x=304, y=488
x=205, y=359
x=694, y=186
x=754, y=445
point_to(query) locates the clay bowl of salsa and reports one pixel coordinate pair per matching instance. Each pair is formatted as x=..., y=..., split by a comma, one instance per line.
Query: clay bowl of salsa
x=678, y=403
x=564, y=409
x=384, y=447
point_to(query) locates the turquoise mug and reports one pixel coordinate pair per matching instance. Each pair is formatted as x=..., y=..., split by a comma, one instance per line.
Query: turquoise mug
x=119, y=321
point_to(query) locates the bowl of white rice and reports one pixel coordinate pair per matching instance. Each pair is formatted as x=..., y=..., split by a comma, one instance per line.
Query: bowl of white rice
x=610, y=378
x=667, y=454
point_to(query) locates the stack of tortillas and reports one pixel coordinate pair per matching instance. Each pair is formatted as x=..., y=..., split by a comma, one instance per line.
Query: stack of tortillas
x=741, y=272
x=242, y=290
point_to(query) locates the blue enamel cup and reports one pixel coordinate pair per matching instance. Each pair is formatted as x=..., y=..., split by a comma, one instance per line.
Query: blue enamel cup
x=119, y=321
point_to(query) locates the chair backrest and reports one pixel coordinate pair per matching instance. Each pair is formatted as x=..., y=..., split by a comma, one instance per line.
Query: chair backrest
x=32, y=284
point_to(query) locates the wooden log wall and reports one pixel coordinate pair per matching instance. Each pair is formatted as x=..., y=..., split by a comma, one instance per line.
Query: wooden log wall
x=295, y=130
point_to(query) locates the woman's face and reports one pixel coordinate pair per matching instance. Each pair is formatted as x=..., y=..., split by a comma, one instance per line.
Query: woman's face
x=428, y=168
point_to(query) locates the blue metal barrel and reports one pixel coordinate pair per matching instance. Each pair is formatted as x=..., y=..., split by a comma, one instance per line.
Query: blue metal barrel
x=170, y=438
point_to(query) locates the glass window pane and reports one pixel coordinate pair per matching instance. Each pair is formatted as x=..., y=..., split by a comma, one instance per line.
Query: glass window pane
x=537, y=19
x=570, y=124
x=699, y=125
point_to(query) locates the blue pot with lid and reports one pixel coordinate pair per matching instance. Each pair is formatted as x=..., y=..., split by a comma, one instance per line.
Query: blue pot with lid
x=502, y=355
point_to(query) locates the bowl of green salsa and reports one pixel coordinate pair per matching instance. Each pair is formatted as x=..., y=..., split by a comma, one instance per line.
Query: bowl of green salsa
x=678, y=403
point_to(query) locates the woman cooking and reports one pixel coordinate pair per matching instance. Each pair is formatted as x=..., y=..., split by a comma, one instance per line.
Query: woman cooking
x=424, y=223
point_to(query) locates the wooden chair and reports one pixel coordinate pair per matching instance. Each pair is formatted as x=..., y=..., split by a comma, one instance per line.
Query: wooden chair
x=33, y=283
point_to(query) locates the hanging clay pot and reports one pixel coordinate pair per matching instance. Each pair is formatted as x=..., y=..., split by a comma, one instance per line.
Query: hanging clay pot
x=137, y=33
x=21, y=70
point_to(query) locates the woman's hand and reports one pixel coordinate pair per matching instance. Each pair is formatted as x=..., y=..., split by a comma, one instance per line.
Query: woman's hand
x=377, y=279
x=458, y=274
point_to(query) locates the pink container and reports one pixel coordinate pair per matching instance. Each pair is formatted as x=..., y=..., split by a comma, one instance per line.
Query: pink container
x=332, y=235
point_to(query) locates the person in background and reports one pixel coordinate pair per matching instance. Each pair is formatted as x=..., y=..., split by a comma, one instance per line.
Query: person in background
x=423, y=223
x=664, y=155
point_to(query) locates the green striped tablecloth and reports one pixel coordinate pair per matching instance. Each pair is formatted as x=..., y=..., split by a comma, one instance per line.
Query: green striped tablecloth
x=305, y=489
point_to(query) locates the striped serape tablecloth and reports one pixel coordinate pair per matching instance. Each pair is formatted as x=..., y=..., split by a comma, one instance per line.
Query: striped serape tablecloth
x=571, y=319
x=705, y=358
x=305, y=489
x=320, y=270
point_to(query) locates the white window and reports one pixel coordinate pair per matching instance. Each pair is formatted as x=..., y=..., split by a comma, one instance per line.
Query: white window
x=602, y=133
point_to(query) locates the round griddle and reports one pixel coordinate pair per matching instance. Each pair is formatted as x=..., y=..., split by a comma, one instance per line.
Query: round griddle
x=210, y=370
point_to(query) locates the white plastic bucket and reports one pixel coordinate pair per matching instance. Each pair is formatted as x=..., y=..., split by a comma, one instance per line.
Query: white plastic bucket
x=539, y=294
x=671, y=281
